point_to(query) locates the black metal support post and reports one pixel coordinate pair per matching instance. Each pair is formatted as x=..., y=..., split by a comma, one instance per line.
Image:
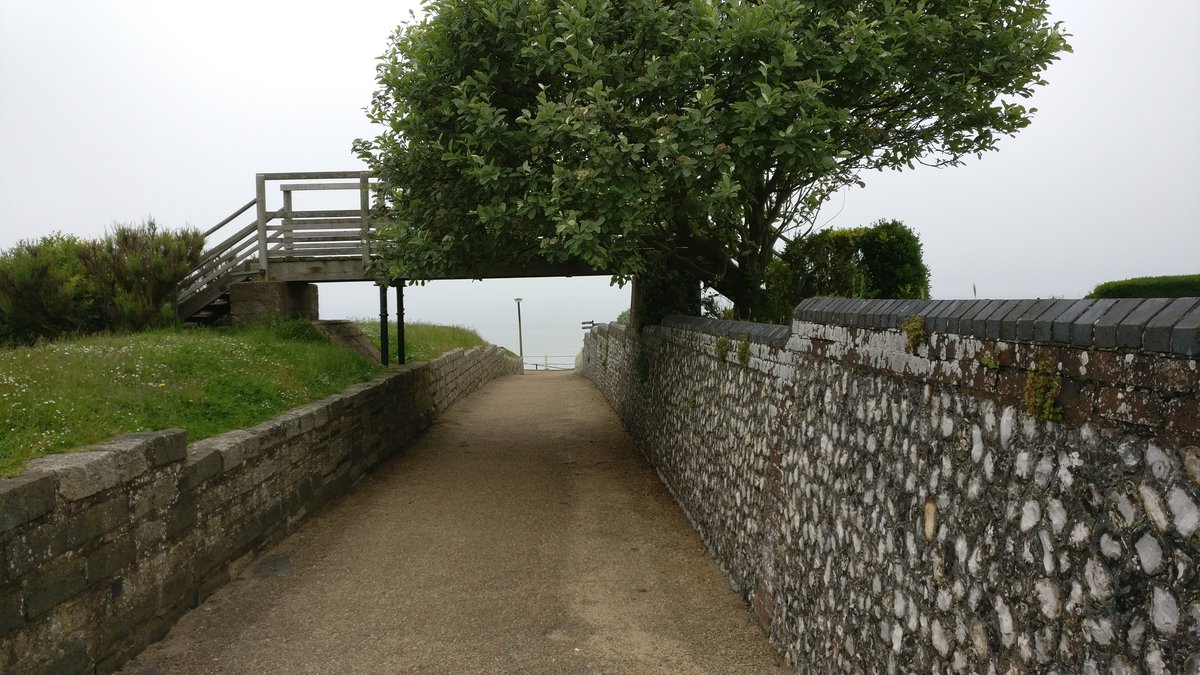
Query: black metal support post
x=383, y=325
x=400, y=356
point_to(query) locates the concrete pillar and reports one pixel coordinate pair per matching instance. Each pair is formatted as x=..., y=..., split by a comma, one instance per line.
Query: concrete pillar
x=257, y=301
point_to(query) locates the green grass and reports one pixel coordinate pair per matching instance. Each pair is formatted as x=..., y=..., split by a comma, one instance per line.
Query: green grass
x=62, y=395
x=423, y=341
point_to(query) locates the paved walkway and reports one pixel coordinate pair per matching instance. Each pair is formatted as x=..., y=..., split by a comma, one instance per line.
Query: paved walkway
x=523, y=533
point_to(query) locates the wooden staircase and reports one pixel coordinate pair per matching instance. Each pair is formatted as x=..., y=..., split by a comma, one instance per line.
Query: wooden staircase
x=283, y=244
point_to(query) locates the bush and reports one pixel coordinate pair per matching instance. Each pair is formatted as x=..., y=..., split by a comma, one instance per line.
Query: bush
x=135, y=270
x=884, y=260
x=61, y=285
x=44, y=291
x=1181, y=286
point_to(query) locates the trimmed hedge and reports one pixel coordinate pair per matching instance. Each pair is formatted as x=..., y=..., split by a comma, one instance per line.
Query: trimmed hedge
x=1179, y=286
x=884, y=260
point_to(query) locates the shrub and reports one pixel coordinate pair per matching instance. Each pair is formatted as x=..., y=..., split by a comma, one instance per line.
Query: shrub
x=881, y=261
x=135, y=270
x=61, y=285
x=1181, y=286
x=44, y=291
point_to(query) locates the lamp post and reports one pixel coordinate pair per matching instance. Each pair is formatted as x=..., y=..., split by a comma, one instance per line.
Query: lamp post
x=520, y=335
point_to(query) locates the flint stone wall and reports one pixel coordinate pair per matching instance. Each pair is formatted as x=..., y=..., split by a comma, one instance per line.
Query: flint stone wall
x=102, y=550
x=887, y=508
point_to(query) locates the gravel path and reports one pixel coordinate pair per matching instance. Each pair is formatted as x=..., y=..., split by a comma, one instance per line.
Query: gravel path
x=523, y=533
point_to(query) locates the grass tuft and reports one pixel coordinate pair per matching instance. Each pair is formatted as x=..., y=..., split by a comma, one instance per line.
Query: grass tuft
x=423, y=341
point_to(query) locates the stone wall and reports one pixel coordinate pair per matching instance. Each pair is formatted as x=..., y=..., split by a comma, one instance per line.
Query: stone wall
x=887, y=507
x=102, y=550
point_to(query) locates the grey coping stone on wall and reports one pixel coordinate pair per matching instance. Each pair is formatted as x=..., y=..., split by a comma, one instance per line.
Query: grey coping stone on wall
x=875, y=312
x=995, y=319
x=868, y=310
x=1129, y=331
x=830, y=313
x=824, y=312
x=959, y=321
x=837, y=312
x=1008, y=321
x=1185, y=336
x=931, y=313
x=1104, y=333
x=941, y=316
x=82, y=474
x=158, y=447
x=979, y=321
x=1060, y=327
x=808, y=308
x=26, y=498
x=894, y=311
x=1027, y=319
x=1043, y=325
x=827, y=314
x=1083, y=328
x=904, y=309
x=1157, y=335
x=841, y=311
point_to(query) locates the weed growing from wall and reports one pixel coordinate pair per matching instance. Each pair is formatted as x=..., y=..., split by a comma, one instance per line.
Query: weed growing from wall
x=1042, y=386
x=989, y=358
x=743, y=350
x=722, y=348
x=914, y=329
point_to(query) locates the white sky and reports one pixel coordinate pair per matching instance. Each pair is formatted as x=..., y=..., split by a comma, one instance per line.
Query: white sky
x=115, y=110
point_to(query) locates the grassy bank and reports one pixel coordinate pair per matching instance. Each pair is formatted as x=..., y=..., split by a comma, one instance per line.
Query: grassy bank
x=423, y=341
x=62, y=395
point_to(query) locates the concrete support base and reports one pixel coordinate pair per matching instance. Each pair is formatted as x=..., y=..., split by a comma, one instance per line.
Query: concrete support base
x=257, y=301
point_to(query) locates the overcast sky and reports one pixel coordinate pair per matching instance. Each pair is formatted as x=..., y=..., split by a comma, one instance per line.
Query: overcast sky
x=118, y=110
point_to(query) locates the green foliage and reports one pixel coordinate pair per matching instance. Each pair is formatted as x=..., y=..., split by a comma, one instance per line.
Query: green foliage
x=1181, y=286
x=743, y=350
x=423, y=341
x=914, y=331
x=61, y=285
x=990, y=358
x=883, y=260
x=1042, y=386
x=44, y=292
x=643, y=136
x=62, y=395
x=623, y=317
x=722, y=348
x=135, y=270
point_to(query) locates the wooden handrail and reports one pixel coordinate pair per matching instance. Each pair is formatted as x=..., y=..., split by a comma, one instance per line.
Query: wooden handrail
x=321, y=233
x=228, y=220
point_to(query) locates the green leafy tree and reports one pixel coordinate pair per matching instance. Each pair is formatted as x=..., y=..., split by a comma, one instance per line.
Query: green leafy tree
x=641, y=135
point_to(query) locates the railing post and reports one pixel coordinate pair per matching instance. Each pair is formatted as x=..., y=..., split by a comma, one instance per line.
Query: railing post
x=260, y=192
x=364, y=205
x=287, y=221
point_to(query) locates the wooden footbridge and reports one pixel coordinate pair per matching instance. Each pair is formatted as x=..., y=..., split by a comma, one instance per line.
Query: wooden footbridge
x=284, y=243
x=271, y=239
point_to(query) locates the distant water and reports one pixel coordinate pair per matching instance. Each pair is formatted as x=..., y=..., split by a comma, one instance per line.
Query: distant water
x=551, y=309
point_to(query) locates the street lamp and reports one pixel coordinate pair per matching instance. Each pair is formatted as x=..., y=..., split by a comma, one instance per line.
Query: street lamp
x=520, y=335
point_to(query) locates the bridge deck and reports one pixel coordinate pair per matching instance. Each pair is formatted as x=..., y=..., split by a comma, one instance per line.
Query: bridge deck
x=522, y=533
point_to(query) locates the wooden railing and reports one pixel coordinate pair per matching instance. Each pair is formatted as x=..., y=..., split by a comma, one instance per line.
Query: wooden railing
x=282, y=235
